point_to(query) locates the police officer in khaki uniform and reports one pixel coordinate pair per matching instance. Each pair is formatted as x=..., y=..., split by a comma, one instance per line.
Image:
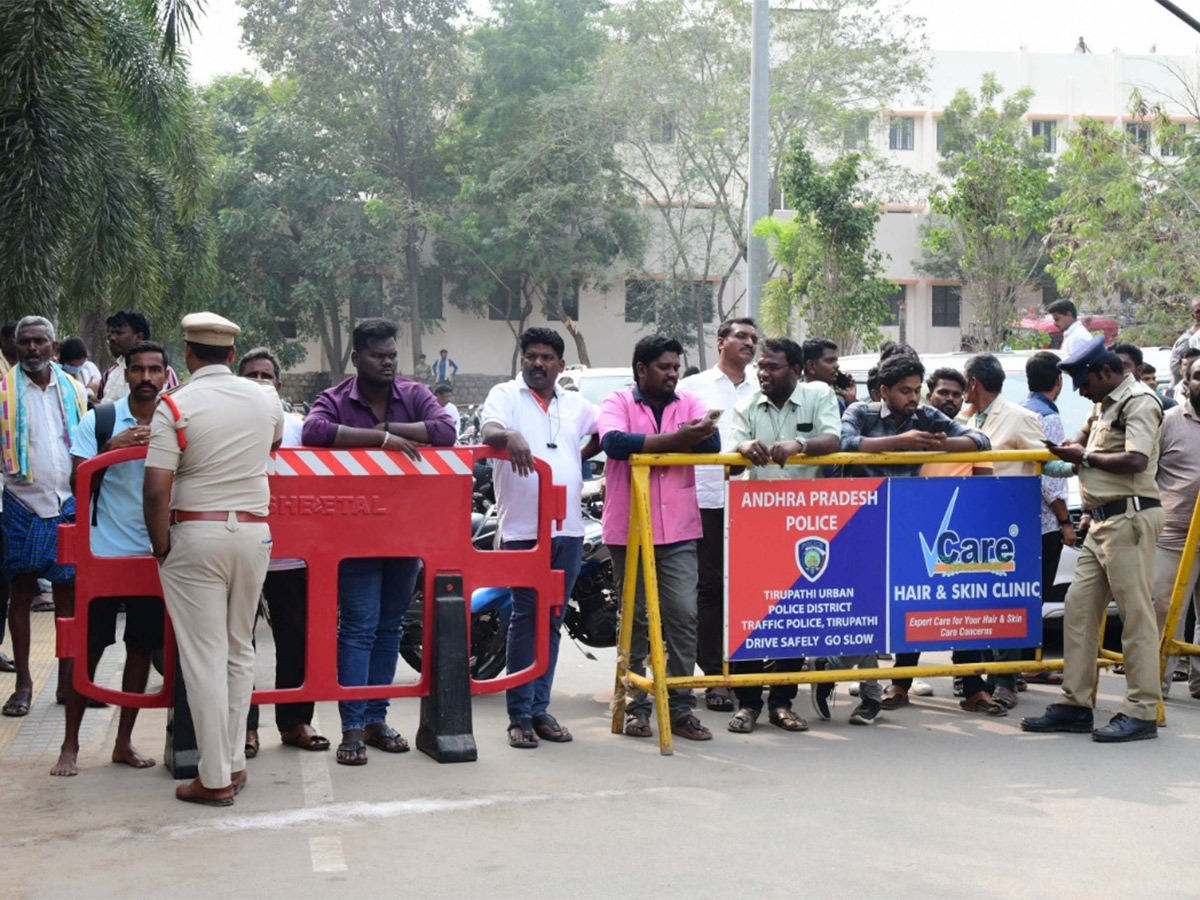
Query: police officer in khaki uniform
x=206, y=498
x=1116, y=456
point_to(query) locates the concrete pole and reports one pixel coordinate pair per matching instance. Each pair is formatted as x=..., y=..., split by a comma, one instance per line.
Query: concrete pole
x=757, y=203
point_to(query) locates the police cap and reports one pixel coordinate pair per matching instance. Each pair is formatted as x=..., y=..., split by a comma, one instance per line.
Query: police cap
x=209, y=328
x=1076, y=365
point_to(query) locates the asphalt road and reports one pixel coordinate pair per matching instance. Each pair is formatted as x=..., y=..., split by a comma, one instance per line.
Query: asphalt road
x=928, y=803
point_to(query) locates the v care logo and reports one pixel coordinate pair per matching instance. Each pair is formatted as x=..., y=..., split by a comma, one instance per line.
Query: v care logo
x=953, y=555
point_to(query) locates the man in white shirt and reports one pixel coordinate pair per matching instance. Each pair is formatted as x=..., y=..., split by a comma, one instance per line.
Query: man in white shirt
x=126, y=327
x=531, y=417
x=1066, y=320
x=722, y=387
x=41, y=412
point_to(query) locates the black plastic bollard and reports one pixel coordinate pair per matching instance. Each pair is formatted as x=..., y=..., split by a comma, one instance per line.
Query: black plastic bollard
x=181, y=756
x=445, y=732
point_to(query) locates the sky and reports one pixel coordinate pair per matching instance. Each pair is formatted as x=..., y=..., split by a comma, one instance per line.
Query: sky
x=1045, y=26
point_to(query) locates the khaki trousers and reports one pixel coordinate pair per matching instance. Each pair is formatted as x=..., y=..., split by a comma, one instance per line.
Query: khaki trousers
x=1117, y=560
x=1166, y=566
x=211, y=581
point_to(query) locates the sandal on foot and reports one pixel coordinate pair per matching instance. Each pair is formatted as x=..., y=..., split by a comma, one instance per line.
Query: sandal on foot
x=304, y=739
x=982, y=702
x=352, y=753
x=784, y=718
x=548, y=729
x=251, y=744
x=387, y=739
x=744, y=720
x=688, y=726
x=637, y=725
x=718, y=699
x=18, y=704
x=894, y=697
x=521, y=735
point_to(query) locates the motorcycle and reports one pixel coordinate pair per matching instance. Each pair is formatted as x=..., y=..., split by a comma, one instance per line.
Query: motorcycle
x=590, y=616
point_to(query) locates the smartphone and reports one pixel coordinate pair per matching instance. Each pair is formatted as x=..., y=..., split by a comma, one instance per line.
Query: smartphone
x=713, y=415
x=1050, y=445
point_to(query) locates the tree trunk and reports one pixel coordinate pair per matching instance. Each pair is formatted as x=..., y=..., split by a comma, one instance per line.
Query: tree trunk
x=412, y=278
x=698, y=310
x=580, y=345
x=95, y=334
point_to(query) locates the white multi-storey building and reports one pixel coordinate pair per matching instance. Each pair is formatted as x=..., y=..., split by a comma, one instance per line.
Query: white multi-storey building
x=1066, y=87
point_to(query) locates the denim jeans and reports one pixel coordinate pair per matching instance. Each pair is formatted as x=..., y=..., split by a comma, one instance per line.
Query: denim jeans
x=533, y=698
x=373, y=596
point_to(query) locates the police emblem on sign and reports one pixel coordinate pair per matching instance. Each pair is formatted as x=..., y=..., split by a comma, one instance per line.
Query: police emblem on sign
x=812, y=557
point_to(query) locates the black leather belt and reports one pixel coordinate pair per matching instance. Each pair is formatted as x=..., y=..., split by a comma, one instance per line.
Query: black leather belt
x=1120, y=507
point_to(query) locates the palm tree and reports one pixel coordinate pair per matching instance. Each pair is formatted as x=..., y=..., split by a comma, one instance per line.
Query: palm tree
x=102, y=159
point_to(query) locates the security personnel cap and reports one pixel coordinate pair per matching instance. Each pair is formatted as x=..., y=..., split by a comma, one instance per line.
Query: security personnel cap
x=1076, y=365
x=209, y=328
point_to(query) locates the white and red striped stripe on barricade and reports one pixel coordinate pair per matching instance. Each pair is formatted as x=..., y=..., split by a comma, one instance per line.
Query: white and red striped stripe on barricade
x=294, y=461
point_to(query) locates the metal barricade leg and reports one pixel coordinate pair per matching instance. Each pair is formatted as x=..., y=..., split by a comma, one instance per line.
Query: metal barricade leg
x=625, y=634
x=445, y=731
x=658, y=659
x=1168, y=645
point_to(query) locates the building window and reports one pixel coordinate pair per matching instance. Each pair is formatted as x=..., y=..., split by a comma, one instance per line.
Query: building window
x=429, y=293
x=505, y=301
x=644, y=296
x=941, y=135
x=570, y=300
x=1045, y=135
x=662, y=128
x=856, y=133
x=1140, y=132
x=947, y=302
x=901, y=133
x=895, y=302
x=366, y=298
x=1171, y=142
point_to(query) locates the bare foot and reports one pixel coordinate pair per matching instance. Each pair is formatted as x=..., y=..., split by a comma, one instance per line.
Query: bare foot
x=131, y=756
x=66, y=762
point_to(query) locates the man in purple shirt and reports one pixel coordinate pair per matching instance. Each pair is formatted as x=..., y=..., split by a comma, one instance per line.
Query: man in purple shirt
x=374, y=409
x=652, y=417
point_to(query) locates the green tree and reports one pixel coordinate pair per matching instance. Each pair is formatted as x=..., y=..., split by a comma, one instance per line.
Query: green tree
x=542, y=211
x=1128, y=220
x=832, y=275
x=987, y=226
x=381, y=77
x=298, y=251
x=675, y=86
x=102, y=162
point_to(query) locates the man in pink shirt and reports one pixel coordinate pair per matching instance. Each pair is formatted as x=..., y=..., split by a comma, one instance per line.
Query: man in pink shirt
x=652, y=417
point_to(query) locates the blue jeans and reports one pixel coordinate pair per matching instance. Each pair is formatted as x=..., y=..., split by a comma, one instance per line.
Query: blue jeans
x=533, y=698
x=373, y=596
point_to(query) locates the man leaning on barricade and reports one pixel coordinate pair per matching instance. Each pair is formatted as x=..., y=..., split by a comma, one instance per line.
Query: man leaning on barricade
x=1116, y=454
x=899, y=423
x=652, y=417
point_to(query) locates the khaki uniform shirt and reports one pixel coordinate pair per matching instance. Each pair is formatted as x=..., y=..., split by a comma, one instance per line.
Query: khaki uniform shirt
x=230, y=424
x=810, y=412
x=1178, y=473
x=1137, y=431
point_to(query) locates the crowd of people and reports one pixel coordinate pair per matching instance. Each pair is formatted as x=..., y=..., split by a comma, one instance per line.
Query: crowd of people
x=198, y=504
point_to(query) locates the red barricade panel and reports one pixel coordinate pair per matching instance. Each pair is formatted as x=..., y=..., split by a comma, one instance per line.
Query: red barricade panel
x=326, y=506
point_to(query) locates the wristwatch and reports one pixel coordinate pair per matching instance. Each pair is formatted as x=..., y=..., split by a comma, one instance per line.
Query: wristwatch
x=1086, y=462
x=803, y=442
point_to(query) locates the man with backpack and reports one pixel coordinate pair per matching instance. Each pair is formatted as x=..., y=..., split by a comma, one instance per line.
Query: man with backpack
x=119, y=529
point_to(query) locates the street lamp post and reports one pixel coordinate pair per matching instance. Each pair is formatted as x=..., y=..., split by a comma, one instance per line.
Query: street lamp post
x=757, y=205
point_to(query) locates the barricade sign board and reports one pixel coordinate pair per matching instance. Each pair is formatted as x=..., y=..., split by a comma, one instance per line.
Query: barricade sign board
x=833, y=567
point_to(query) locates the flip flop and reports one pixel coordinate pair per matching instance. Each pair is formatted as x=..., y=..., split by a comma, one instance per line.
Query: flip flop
x=357, y=748
x=521, y=735
x=548, y=729
x=18, y=704
x=387, y=739
x=784, y=718
x=306, y=741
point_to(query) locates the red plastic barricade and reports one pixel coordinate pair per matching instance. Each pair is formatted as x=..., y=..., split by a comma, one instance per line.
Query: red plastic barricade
x=326, y=506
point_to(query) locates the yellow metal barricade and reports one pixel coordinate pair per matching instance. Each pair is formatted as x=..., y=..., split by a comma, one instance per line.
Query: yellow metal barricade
x=640, y=556
x=1169, y=646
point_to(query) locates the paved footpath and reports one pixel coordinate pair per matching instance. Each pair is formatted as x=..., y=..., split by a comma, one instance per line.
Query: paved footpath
x=929, y=803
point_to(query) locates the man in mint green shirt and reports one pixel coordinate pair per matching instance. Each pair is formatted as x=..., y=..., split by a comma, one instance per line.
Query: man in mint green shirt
x=785, y=417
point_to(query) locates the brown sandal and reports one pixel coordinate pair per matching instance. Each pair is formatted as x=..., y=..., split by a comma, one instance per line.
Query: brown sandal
x=982, y=702
x=251, y=744
x=304, y=738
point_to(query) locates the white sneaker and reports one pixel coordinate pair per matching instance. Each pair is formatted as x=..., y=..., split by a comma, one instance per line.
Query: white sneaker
x=921, y=688
x=854, y=689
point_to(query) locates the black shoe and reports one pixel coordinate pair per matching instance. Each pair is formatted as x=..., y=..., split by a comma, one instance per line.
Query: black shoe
x=958, y=686
x=1123, y=728
x=865, y=713
x=1060, y=717
x=821, y=694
